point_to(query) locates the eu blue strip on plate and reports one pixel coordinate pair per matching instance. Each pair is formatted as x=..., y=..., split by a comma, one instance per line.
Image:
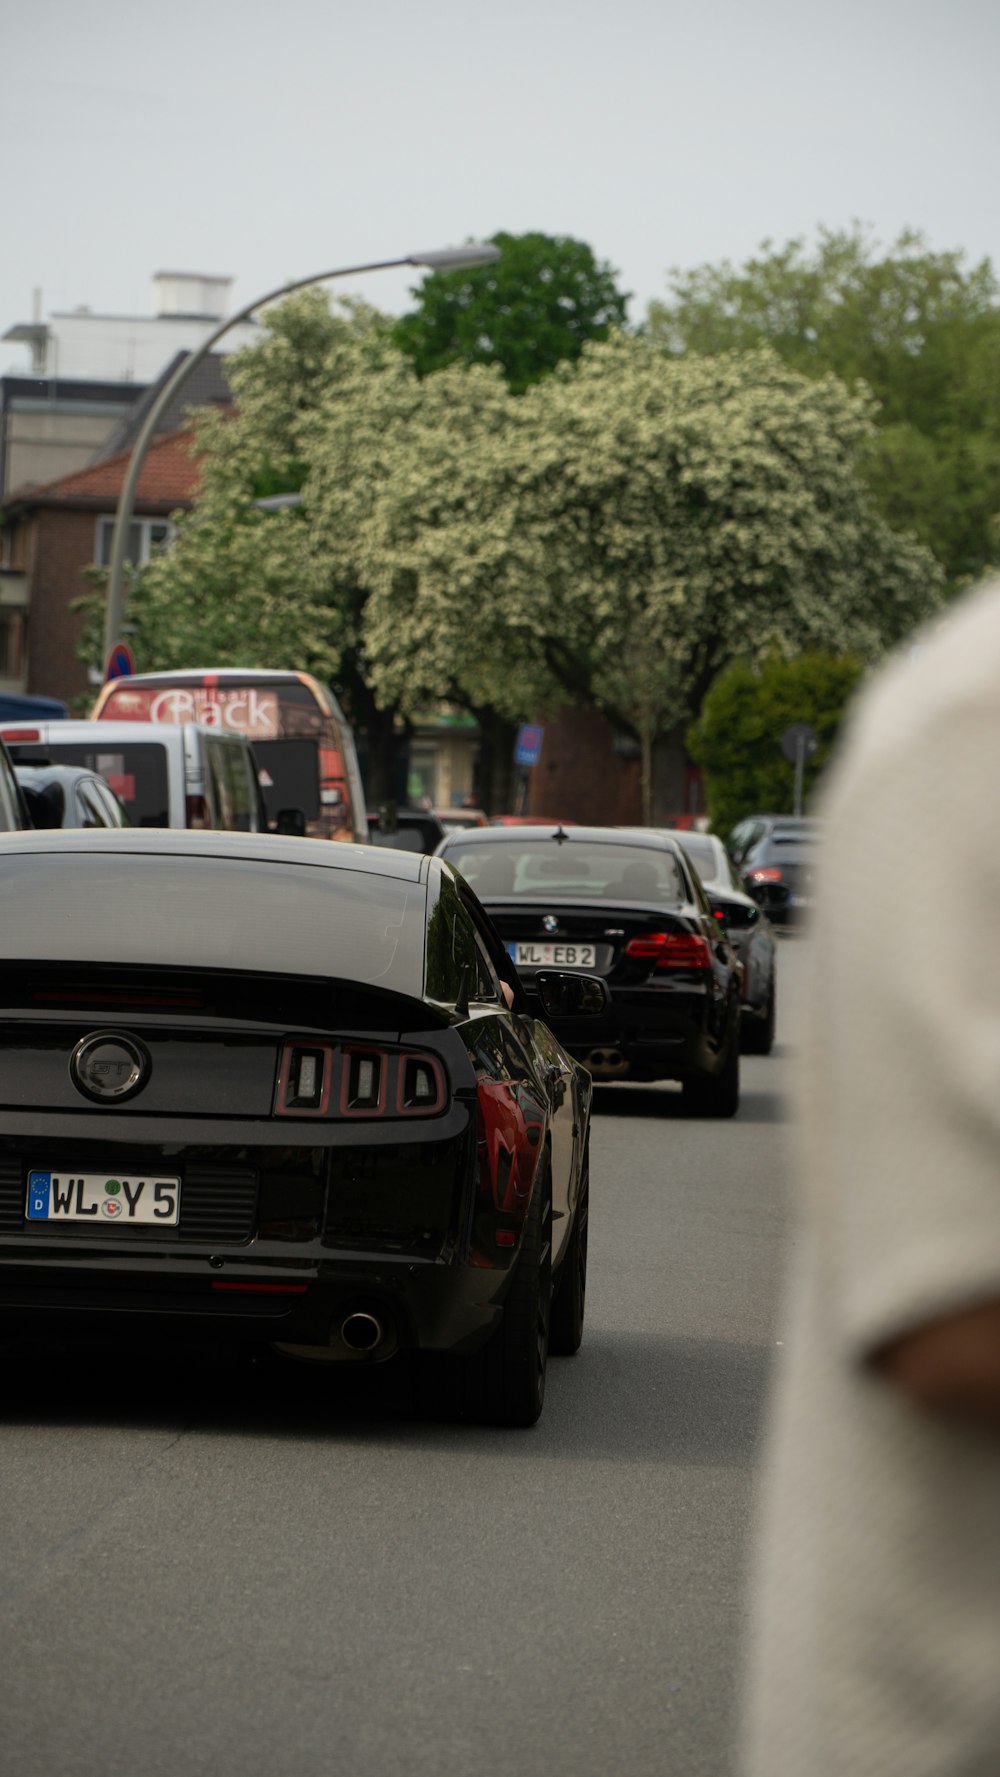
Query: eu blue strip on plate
x=38, y=1196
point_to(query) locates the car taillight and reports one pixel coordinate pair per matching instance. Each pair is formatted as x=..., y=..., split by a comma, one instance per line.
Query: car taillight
x=10, y=735
x=362, y=1082
x=357, y=1080
x=197, y=813
x=420, y=1085
x=304, y=1080
x=672, y=950
x=765, y=874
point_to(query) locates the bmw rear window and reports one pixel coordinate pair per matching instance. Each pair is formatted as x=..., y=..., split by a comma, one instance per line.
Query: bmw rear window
x=570, y=868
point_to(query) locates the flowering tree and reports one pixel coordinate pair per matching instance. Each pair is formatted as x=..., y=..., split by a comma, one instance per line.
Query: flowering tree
x=613, y=536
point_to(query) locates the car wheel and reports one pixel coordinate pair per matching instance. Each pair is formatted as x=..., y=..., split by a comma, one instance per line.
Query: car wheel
x=758, y=1033
x=507, y=1378
x=716, y=1095
x=569, y=1298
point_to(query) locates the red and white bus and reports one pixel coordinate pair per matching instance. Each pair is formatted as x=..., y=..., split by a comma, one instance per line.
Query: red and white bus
x=300, y=736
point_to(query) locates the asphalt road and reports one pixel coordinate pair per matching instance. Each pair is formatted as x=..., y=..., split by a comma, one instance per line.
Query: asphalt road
x=213, y=1567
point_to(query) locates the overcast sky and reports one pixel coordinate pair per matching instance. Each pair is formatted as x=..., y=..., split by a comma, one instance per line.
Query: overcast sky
x=277, y=138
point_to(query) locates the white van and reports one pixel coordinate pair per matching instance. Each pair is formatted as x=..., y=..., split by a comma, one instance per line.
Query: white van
x=167, y=775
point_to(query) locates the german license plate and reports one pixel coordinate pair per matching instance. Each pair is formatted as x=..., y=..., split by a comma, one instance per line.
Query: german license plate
x=98, y=1198
x=553, y=956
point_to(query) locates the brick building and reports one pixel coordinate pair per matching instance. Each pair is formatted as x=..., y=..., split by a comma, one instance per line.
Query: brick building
x=50, y=535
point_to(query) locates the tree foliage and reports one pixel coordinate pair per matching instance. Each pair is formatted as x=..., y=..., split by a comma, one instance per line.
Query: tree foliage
x=654, y=517
x=920, y=328
x=737, y=737
x=535, y=308
x=612, y=537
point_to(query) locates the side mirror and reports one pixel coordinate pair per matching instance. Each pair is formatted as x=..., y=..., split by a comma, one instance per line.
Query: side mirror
x=566, y=995
x=733, y=913
x=291, y=822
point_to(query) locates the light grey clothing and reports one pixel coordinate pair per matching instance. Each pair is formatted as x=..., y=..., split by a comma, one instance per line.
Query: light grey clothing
x=875, y=1639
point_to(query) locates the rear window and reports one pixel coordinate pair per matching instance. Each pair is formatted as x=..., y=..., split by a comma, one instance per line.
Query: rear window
x=226, y=913
x=136, y=773
x=266, y=711
x=702, y=855
x=538, y=867
x=289, y=775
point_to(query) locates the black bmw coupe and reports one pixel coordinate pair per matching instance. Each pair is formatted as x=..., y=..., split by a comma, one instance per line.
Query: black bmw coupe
x=626, y=904
x=291, y=1091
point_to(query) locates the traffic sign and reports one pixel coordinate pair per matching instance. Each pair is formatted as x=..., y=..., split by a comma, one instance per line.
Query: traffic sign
x=528, y=746
x=799, y=743
x=799, y=740
x=121, y=662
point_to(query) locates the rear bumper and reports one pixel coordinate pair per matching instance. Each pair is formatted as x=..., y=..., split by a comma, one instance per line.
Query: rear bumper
x=661, y=1033
x=274, y=1243
x=425, y=1306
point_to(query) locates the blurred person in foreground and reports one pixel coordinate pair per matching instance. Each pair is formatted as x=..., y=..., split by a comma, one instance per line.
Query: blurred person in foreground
x=874, y=1646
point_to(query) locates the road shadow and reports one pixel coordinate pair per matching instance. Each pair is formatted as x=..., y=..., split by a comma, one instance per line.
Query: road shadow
x=640, y=1101
x=666, y=1104
x=625, y=1397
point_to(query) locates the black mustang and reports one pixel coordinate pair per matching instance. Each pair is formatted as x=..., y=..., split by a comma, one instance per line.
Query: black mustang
x=288, y=1089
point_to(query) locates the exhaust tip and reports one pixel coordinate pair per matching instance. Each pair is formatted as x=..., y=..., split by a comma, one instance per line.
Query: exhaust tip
x=362, y=1332
x=607, y=1063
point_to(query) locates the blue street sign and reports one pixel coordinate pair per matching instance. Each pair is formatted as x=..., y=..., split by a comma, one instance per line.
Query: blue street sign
x=121, y=662
x=528, y=746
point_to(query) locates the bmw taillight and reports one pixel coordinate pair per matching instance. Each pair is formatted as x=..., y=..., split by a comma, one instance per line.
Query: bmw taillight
x=766, y=873
x=671, y=950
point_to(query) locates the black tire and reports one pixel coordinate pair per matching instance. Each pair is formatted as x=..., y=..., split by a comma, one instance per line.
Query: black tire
x=506, y=1379
x=716, y=1095
x=757, y=1034
x=569, y=1297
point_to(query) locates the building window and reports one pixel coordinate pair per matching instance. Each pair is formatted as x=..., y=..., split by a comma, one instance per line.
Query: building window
x=145, y=537
x=11, y=643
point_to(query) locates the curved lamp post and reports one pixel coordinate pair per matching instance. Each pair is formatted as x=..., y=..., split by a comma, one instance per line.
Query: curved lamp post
x=437, y=259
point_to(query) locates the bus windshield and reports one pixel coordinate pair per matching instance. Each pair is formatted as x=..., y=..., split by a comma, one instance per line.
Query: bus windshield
x=301, y=740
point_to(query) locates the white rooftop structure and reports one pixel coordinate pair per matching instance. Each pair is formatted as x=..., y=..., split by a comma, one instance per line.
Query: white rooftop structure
x=187, y=306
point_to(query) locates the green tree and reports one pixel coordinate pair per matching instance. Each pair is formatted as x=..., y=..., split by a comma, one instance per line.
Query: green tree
x=652, y=518
x=344, y=583
x=737, y=737
x=241, y=586
x=536, y=308
x=920, y=328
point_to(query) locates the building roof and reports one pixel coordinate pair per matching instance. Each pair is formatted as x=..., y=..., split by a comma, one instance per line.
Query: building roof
x=205, y=387
x=169, y=478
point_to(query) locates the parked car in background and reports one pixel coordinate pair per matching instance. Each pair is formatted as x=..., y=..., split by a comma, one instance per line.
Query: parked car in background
x=69, y=796
x=405, y=829
x=275, y=1091
x=775, y=856
x=301, y=738
x=627, y=906
x=455, y=820
x=18, y=707
x=14, y=816
x=165, y=775
x=526, y=820
x=750, y=934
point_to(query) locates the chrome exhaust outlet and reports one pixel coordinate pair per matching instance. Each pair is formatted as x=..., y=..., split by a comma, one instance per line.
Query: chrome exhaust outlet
x=607, y=1064
x=362, y=1332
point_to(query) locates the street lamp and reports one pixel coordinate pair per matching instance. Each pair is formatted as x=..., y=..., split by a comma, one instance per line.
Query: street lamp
x=436, y=259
